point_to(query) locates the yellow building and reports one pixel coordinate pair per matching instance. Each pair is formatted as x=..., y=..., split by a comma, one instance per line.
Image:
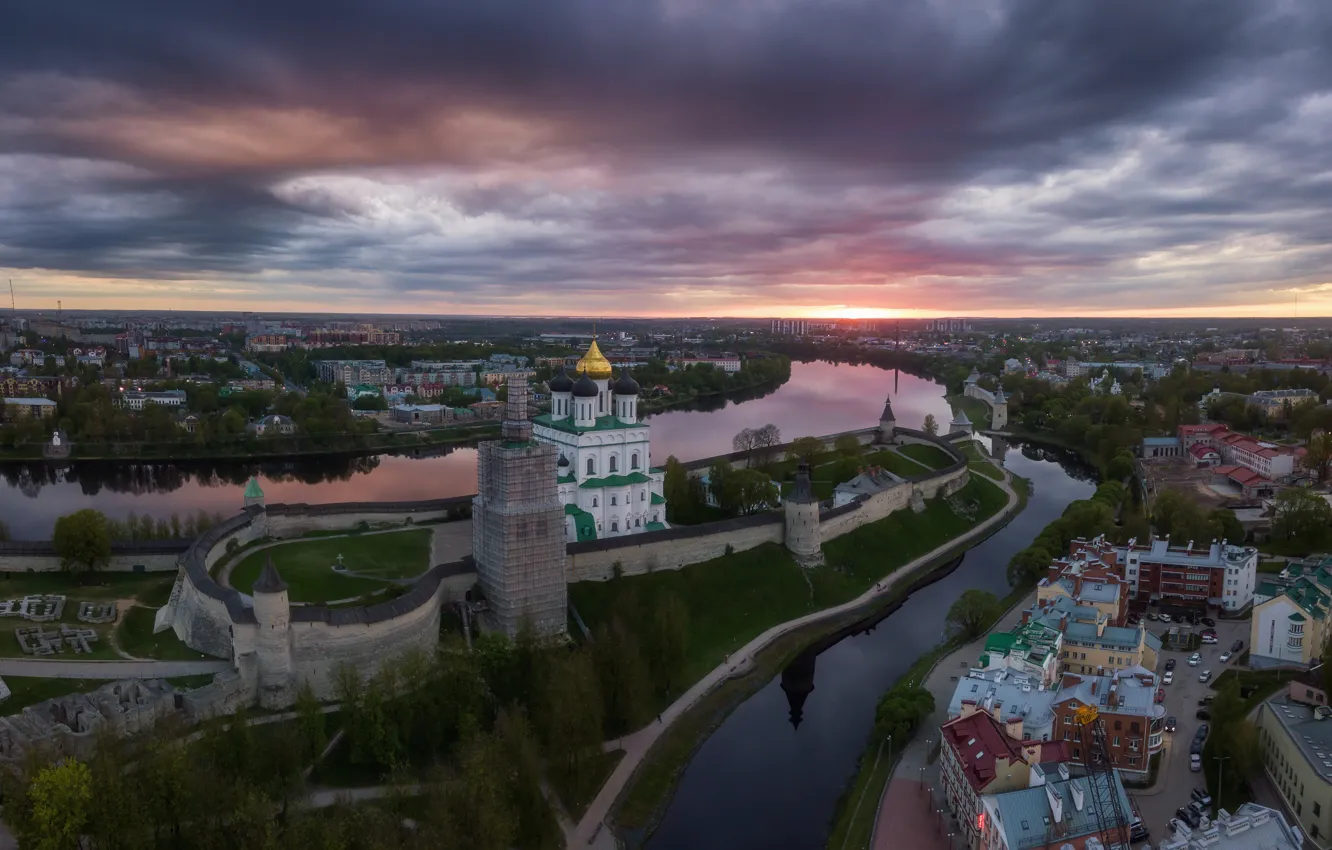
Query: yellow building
x=29, y=408
x=1290, y=625
x=1296, y=744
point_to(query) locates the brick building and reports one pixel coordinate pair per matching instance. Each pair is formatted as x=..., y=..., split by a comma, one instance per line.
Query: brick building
x=1134, y=721
x=1219, y=575
x=1056, y=811
x=979, y=756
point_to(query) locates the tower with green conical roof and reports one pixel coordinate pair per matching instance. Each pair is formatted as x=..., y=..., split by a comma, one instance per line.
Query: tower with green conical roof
x=254, y=494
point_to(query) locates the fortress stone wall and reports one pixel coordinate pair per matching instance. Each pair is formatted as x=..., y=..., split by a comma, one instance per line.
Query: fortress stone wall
x=143, y=556
x=317, y=640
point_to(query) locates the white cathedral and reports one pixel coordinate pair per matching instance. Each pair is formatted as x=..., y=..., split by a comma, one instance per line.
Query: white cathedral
x=605, y=475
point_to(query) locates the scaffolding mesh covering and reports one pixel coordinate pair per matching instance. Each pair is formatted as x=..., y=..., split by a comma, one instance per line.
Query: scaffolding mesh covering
x=518, y=525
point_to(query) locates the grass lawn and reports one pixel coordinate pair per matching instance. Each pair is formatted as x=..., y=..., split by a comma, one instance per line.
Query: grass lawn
x=135, y=635
x=895, y=463
x=577, y=792
x=9, y=645
x=98, y=586
x=306, y=565
x=978, y=462
x=734, y=598
x=1255, y=685
x=1271, y=566
x=931, y=456
x=977, y=411
x=27, y=690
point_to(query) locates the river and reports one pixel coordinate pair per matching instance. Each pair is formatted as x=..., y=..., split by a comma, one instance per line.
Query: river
x=761, y=781
x=820, y=398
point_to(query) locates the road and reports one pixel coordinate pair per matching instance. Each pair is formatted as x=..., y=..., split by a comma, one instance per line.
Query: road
x=636, y=746
x=44, y=669
x=1156, y=805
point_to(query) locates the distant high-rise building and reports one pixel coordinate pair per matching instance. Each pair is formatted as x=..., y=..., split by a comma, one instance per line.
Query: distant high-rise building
x=948, y=325
x=790, y=327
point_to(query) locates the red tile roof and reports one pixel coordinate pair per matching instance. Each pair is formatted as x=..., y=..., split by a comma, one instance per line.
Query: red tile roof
x=1201, y=451
x=978, y=741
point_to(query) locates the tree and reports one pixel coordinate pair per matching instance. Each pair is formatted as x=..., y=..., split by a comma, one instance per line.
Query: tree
x=570, y=710
x=805, y=449
x=1028, y=566
x=60, y=797
x=765, y=439
x=625, y=689
x=1318, y=458
x=4, y=532
x=973, y=612
x=1300, y=518
x=370, y=402
x=518, y=746
x=745, y=441
x=751, y=491
x=848, y=446
x=83, y=541
x=667, y=645
x=931, y=425
x=719, y=476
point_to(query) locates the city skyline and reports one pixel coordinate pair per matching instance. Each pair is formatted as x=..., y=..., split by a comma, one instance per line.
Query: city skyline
x=674, y=159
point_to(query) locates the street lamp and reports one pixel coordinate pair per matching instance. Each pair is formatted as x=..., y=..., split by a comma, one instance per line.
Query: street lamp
x=1219, y=769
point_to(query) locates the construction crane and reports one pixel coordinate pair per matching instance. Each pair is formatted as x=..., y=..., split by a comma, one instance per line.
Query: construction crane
x=1112, y=822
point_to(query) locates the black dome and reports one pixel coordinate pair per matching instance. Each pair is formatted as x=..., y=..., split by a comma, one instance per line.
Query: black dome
x=561, y=383
x=585, y=388
x=625, y=384
x=564, y=461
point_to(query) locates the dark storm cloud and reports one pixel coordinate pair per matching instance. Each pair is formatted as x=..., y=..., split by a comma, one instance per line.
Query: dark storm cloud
x=758, y=142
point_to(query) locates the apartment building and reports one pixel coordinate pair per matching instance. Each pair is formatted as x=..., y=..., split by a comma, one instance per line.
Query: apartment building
x=1126, y=700
x=1056, y=811
x=790, y=327
x=138, y=399
x=1277, y=403
x=353, y=372
x=1220, y=575
x=1003, y=693
x=1272, y=461
x=1250, y=826
x=726, y=364
x=1031, y=648
x=1088, y=578
x=1289, y=627
x=980, y=756
x=28, y=408
x=1295, y=740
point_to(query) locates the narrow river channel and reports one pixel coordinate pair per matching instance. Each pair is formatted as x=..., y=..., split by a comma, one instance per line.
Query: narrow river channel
x=763, y=782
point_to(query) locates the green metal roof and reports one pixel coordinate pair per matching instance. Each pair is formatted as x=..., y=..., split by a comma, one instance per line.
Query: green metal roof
x=655, y=526
x=567, y=478
x=253, y=490
x=616, y=480
x=603, y=423
x=584, y=524
x=658, y=500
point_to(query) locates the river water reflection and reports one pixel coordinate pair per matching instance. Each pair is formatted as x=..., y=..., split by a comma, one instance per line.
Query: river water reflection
x=760, y=781
x=820, y=398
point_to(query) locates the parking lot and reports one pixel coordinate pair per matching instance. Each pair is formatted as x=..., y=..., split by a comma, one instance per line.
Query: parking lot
x=1157, y=805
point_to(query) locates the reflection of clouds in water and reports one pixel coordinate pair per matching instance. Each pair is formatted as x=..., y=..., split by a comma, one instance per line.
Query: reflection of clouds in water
x=820, y=398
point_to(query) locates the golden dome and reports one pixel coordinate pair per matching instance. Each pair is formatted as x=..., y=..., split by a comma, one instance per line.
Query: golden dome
x=596, y=365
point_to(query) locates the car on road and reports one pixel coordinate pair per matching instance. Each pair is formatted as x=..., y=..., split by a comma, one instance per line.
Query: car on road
x=1209, y=622
x=1201, y=796
x=1195, y=659
x=1168, y=677
x=1170, y=664
x=1165, y=618
x=1195, y=763
x=1237, y=646
x=1225, y=656
x=1171, y=723
x=1160, y=694
x=1209, y=639
x=1203, y=714
x=1205, y=676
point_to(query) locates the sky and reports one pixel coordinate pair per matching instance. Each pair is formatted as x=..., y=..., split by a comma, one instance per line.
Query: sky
x=811, y=158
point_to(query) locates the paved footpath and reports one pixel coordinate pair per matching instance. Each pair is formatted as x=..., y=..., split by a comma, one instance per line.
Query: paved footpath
x=43, y=669
x=636, y=746
x=905, y=797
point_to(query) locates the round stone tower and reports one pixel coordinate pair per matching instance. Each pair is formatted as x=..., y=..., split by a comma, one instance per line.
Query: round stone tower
x=272, y=639
x=887, y=422
x=803, y=537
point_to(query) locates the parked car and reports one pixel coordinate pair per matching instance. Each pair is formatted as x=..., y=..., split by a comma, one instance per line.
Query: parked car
x=1196, y=748
x=1201, y=734
x=1168, y=677
x=1209, y=622
x=1225, y=656
x=1209, y=639
x=1160, y=694
x=1170, y=664
x=1203, y=714
x=1205, y=676
x=1171, y=724
x=1151, y=615
x=1189, y=816
x=1209, y=632
x=1207, y=700
x=1138, y=832
x=1201, y=796
x=1195, y=659
x=1237, y=646
x=1165, y=618
x=1133, y=619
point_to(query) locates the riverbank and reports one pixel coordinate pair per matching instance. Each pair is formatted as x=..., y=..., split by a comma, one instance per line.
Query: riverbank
x=655, y=757
x=278, y=448
x=662, y=404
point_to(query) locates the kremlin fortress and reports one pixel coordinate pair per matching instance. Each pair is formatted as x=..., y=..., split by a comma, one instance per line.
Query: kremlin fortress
x=566, y=496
